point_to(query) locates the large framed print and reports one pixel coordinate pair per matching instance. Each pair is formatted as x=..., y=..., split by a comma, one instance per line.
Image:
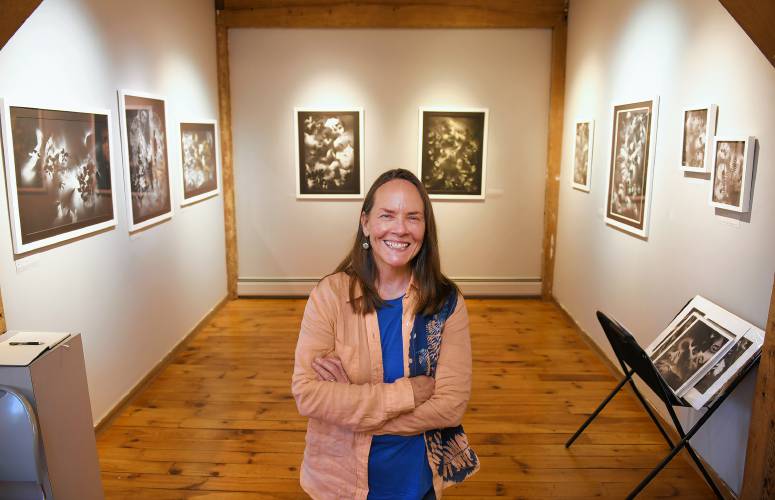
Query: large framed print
x=200, y=162
x=329, y=153
x=453, y=152
x=631, y=170
x=582, y=155
x=146, y=160
x=732, y=173
x=699, y=127
x=59, y=174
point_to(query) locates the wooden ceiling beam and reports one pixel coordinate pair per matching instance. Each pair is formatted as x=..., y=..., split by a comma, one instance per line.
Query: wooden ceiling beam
x=757, y=18
x=14, y=13
x=391, y=14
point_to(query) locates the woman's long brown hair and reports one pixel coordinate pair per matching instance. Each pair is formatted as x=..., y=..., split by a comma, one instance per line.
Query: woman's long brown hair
x=433, y=287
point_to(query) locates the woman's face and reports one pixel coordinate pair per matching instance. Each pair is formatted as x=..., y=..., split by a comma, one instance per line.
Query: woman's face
x=396, y=224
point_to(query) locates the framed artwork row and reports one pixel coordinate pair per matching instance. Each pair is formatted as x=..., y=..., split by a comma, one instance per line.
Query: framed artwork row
x=329, y=152
x=61, y=180
x=728, y=161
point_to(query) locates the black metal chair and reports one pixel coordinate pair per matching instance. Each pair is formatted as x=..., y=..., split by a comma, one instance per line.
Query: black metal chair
x=634, y=361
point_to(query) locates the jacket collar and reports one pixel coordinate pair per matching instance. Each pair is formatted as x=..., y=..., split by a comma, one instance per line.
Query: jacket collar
x=358, y=292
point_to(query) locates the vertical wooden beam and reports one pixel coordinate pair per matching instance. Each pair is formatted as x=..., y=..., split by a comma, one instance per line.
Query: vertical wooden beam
x=759, y=477
x=554, y=156
x=227, y=166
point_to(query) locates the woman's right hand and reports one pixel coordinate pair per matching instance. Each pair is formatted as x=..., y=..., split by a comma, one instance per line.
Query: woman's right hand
x=423, y=388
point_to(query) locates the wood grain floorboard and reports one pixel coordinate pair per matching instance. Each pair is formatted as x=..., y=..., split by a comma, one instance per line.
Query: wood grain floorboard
x=220, y=422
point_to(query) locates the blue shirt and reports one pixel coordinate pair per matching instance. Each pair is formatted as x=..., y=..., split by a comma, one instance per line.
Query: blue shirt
x=398, y=465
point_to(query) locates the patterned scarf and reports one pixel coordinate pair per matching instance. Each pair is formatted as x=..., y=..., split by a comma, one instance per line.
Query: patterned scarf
x=448, y=449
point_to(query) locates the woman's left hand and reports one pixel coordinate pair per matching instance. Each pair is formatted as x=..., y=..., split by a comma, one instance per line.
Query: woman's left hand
x=330, y=369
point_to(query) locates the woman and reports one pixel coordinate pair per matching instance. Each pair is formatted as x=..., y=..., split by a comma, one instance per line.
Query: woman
x=383, y=360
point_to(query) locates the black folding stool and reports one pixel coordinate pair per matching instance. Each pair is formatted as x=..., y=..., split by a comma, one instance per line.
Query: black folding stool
x=635, y=361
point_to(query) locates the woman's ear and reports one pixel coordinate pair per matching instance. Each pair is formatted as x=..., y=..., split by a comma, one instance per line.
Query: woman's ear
x=364, y=220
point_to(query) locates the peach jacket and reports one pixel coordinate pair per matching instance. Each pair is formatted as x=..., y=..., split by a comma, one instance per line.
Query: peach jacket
x=343, y=417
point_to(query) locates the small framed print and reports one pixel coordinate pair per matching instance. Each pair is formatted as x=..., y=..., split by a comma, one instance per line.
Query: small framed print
x=631, y=171
x=59, y=174
x=582, y=155
x=200, y=162
x=329, y=153
x=699, y=127
x=453, y=152
x=146, y=162
x=732, y=172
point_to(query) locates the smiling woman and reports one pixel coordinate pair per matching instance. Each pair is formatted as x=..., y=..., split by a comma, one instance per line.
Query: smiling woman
x=383, y=360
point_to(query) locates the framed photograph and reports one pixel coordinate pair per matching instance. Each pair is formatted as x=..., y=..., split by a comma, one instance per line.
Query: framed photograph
x=453, y=152
x=732, y=171
x=59, y=174
x=631, y=171
x=146, y=165
x=329, y=153
x=582, y=155
x=699, y=127
x=701, y=349
x=200, y=162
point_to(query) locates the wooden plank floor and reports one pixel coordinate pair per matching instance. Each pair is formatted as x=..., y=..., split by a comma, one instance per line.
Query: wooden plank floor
x=220, y=422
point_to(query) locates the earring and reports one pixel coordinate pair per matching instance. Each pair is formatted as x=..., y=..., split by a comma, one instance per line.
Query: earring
x=365, y=243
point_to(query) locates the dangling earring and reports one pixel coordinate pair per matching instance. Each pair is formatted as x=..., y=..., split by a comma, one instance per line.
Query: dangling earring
x=365, y=243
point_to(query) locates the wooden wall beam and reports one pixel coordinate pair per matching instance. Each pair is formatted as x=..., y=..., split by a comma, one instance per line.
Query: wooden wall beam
x=759, y=477
x=227, y=164
x=391, y=14
x=554, y=156
x=13, y=13
x=757, y=18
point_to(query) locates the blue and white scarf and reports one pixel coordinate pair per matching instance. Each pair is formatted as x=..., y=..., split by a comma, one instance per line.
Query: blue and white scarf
x=448, y=449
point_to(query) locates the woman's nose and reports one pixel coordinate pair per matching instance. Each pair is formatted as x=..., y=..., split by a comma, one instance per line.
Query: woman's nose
x=400, y=226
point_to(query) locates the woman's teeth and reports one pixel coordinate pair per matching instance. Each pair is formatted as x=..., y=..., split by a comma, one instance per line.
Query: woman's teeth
x=396, y=245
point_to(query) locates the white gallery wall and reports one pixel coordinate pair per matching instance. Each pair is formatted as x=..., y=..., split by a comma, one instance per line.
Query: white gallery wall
x=689, y=53
x=286, y=244
x=132, y=297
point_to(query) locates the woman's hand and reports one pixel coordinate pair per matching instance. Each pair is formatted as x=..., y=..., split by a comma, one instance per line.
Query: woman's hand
x=423, y=388
x=330, y=369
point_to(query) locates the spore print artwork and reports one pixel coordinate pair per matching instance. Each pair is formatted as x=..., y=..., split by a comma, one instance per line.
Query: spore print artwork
x=629, y=176
x=582, y=156
x=329, y=159
x=722, y=366
x=696, y=346
x=732, y=173
x=702, y=349
x=59, y=174
x=146, y=167
x=698, y=128
x=453, y=153
x=199, y=160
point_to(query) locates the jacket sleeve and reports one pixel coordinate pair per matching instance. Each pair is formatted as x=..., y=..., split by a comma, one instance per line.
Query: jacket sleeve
x=446, y=406
x=358, y=407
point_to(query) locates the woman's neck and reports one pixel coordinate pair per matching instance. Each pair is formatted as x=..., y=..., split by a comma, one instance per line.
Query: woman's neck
x=392, y=282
